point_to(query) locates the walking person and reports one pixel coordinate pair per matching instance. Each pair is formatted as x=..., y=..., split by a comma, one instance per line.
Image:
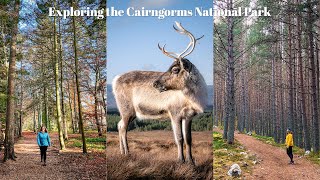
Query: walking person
x=289, y=144
x=43, y=140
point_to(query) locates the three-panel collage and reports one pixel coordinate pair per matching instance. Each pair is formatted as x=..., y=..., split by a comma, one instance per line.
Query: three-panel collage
x=159, y=89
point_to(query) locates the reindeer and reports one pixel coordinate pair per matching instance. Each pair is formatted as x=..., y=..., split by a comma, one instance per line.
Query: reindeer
x=178, y=94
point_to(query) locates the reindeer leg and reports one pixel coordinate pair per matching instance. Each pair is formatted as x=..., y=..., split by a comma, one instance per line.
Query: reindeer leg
x=176, y=126
x=186, y=130
x=122, y=128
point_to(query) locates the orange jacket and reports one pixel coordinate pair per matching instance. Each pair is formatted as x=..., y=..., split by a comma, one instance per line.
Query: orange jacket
x=289, y=140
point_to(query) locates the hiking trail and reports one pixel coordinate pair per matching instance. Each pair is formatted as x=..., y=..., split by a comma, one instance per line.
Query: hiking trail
x=274, y=161
x=69, y=164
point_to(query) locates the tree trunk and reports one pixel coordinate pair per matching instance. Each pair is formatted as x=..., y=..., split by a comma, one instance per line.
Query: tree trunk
x=290, y=76
x=313, y=80
x=9, y=133
x=282, y=95
x=230, y=80
x=84, y=146
x=273, y=101
x=71, y=109
x=39, y=113
x=75, y=100
x=306, y=136
x=226, y=116
x=34, y=120
x=96, y=101
x=21, y=107
x=64, y=121
x=56, y=75
x=45, y=97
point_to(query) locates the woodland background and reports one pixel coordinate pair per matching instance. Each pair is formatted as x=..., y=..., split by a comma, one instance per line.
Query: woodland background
x=267, y=71
x=53, y=70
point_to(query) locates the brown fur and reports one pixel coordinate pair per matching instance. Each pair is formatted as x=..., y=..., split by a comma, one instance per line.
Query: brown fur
x=178, y=94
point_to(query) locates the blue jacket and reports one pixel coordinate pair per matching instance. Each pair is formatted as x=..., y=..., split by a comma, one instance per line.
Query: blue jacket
x=43, y=139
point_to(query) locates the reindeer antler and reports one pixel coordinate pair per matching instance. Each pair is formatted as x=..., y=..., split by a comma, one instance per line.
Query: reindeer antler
x=191, y=44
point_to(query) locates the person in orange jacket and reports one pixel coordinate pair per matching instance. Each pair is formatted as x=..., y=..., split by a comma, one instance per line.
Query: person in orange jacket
x=289, y=144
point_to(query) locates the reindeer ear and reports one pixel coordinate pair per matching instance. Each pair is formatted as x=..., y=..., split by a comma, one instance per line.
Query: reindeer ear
x=192, y=77
x=187, y=65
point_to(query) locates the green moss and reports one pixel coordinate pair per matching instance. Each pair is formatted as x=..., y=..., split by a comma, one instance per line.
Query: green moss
x=227, y=154
x=314, y=157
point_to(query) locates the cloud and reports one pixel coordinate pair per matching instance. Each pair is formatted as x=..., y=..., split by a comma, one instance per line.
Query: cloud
x=149, y=67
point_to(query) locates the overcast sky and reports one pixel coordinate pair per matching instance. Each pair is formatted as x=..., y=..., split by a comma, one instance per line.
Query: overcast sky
x=132, y=41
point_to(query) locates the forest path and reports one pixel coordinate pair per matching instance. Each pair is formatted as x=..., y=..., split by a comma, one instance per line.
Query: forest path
x=69, y=164
x=274, y=162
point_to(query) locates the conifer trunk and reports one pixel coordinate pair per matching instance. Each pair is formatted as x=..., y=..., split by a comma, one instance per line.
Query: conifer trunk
x=9, y=133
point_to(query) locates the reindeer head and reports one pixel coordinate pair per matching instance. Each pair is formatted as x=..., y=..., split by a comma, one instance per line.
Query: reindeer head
x=178, y=75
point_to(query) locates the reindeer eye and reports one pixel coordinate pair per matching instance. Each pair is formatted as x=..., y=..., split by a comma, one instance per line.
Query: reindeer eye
x=175, y=70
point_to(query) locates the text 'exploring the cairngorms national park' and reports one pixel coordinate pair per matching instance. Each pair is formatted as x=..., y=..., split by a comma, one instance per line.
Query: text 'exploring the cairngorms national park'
x=159, y=13
x=159, y=89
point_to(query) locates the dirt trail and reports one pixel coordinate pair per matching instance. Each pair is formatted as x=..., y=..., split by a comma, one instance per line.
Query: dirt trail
x=274, y=164
x=70, y=164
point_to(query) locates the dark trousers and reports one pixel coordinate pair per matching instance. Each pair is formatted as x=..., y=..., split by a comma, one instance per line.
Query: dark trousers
x=43, y=151
x=289, y=152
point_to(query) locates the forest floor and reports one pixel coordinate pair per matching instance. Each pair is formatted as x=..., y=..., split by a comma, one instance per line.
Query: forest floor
x=153, y=155
x=273, y=161
x=68, y=164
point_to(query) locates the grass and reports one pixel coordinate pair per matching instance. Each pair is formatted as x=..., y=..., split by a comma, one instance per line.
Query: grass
x=314, y=157
x=227, y=154
x=153, y=155
x=93, y=143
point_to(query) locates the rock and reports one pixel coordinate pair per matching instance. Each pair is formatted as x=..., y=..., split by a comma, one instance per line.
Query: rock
x=245, y=154
x=244, y=164
x=307, y=153
x=255, y=162
x=234, y=170
x=249, y=133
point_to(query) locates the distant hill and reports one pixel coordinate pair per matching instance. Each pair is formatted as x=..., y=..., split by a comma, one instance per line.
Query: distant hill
x=111, y=102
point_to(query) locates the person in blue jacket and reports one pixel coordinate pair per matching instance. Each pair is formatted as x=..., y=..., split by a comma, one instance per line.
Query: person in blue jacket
x=43, y=140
